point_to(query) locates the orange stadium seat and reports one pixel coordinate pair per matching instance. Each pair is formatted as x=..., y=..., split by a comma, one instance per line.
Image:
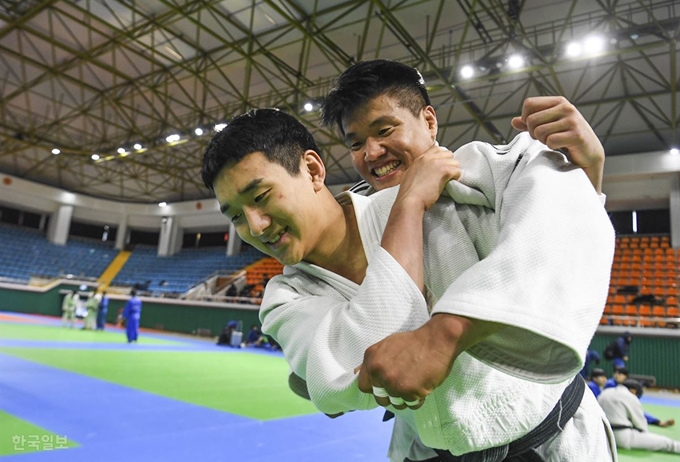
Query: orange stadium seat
x=659, y=311
x=618, y=309
x=631, y=310
x=645, y=310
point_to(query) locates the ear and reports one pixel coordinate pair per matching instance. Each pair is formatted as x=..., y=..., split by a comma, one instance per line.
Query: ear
x=315, y=168
x=431, y=120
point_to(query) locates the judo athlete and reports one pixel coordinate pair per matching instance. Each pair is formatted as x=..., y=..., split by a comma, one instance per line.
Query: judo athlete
x=598, y=379
x=103, y=311
x=68, y=306
x=366, y=106
x=132, y=313
x=626, y=415
x=351, y=282
x=92, y=305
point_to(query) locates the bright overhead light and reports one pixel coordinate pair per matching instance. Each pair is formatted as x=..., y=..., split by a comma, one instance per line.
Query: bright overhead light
x=308, y=107
x=574, y=50
x=56, y=151
x=95, y=156
x=137, y=146
x=121, y=150
x=594, y=44
x=515, y=62
x=675, y=151
x=172, y=138
x=467, y=71
x=162, y=204
x=220, y=127
x=198, y=131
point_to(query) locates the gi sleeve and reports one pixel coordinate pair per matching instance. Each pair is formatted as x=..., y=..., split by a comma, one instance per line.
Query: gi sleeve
x=324, y=326
x=547, y=277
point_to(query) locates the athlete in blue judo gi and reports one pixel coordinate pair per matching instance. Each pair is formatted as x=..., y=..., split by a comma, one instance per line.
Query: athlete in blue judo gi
x=132, y=314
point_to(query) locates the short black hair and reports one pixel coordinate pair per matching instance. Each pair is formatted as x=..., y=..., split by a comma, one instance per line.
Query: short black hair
x=365, y=80
x=598, y=373
x=133, y=292
x=634, y=385
x=621, y=370
x=279, y=136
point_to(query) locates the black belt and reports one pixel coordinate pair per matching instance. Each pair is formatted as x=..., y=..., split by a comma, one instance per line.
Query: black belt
x=624, y=427
x=522, y=449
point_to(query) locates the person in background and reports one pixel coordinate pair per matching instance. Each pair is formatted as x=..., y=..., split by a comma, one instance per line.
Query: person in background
x=598, y=378
x=254, y=337
x=68, y=306
x=626, y=415
x=228, y=330
x=619, y=350
x=103, y=310
x=592, y=357
x=132, y=313
x=92, y=305
x=618, y=376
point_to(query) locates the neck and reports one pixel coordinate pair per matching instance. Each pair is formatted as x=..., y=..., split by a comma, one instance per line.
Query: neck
x=343, y=251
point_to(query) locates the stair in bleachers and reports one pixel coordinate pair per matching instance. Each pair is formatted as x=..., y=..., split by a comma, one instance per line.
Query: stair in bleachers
x=116, y=265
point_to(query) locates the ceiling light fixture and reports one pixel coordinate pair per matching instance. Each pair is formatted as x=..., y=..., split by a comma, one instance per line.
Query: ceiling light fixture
x=95, y=156
x=220, y=127
x=594, y=44
x=172, y=138
x=121, y=150
x=574, y=50
x=515, y=62
x=56, y=151
x=198, y=131
x=137, y=146
x=467, y=72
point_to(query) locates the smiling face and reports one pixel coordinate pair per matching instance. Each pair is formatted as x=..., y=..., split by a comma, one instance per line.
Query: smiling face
x=384, y=138
x=273, y=211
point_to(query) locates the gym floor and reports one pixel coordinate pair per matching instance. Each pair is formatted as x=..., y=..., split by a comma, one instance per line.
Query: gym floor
x=73, y=395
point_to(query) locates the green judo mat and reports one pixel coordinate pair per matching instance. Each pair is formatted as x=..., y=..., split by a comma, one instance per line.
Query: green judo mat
x=247, y=384
x=52, y=333
x=18, y=437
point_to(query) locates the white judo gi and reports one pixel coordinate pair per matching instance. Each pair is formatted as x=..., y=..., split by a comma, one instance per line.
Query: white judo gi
x=538, y=261
x=623, y=409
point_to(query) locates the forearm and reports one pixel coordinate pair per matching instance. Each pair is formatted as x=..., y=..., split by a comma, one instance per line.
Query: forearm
x=403, y=238
x=459, y=333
